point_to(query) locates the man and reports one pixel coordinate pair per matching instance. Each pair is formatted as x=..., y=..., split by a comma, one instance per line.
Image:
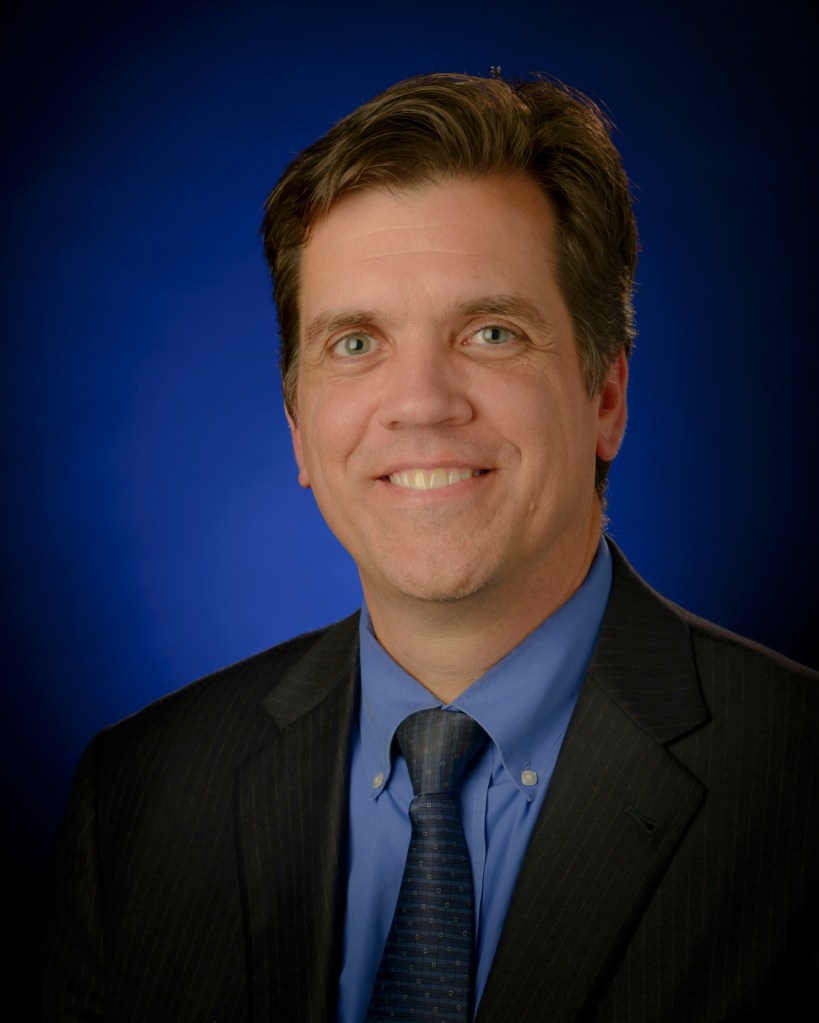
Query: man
x=630, y=819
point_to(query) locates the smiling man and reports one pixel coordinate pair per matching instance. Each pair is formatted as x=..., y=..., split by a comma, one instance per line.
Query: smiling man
x=519, y=785
x=443, y=421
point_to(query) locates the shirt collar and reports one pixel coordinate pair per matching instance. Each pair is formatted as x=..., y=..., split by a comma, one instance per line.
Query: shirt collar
x=514, y=701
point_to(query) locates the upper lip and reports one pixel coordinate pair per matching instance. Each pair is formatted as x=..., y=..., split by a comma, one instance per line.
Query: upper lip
x=428, y=464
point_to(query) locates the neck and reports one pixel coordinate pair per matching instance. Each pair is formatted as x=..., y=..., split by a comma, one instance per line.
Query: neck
x=448, y=645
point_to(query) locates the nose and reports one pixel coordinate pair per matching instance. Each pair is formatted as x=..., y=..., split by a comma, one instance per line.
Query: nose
x=424, y=384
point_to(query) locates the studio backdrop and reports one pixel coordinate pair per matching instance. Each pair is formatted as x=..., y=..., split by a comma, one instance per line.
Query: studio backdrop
x=153, y=527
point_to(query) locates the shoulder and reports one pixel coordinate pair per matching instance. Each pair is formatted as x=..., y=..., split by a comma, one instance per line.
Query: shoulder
x=719, y=651
x=223, y=713
x=636, y=607
x=762, y=705
x=680, y=675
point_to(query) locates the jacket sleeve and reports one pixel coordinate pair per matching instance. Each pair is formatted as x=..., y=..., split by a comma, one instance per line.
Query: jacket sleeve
x=72, y=988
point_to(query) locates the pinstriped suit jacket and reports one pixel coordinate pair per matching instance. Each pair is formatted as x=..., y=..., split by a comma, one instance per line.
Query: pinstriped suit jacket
x=672, y=875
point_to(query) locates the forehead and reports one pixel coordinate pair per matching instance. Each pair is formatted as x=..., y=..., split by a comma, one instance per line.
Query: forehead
x=417, y=207
x=492, y=233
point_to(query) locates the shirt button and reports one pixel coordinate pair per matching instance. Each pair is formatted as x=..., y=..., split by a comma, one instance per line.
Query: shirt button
x=378, y=780
x=528, y=777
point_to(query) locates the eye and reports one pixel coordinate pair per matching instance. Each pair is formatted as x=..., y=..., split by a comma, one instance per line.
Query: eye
x=352, y=345
x=494, y=335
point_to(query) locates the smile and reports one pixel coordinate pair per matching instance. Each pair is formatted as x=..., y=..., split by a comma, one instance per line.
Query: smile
x=431, y=479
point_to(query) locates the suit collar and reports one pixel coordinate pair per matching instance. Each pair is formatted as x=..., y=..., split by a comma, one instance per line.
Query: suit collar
x=644, y=659
x=314, y=676
x=291, y=819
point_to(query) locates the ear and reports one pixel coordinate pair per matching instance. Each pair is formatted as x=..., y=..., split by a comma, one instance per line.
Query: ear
x=298, y=450
x=612, y=410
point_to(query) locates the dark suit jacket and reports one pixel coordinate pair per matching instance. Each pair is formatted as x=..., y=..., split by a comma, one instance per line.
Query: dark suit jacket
x=672, y=875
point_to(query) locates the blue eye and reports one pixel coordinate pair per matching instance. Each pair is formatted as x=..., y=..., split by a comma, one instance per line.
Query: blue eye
x=354, y=344
x=493, y=335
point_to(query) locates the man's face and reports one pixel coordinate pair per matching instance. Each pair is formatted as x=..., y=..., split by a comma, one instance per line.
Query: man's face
x=442, y=418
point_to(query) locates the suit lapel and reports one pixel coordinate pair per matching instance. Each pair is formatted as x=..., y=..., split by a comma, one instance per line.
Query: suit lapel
x=618, y=805
x=291, y=815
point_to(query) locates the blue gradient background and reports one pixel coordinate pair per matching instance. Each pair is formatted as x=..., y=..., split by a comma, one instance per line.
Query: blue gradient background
x=153, y=527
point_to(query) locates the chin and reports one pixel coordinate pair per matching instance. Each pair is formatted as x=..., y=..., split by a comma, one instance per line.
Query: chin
x=438, y=589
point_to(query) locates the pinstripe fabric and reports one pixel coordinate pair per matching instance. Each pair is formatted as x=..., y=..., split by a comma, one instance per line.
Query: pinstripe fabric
x=190, y=879
x=671, y=878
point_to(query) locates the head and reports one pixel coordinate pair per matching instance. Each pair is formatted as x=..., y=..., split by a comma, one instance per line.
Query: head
x=436, y=128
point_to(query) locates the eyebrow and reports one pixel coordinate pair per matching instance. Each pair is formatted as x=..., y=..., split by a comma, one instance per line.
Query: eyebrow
x=323, y=325
x=512, y=306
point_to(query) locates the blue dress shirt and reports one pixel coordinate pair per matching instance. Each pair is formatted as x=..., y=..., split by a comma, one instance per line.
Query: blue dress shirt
x=524, y=703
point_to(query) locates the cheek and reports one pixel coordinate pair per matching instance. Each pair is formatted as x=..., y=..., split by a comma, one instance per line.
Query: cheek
x=554, y=430
x=517, y=405
x=332, y=430
x=526, y=410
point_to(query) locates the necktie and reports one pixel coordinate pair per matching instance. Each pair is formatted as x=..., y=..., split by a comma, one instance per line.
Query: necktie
x=426, y=968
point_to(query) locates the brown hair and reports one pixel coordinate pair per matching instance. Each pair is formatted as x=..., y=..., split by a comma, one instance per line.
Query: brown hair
x=441, y=126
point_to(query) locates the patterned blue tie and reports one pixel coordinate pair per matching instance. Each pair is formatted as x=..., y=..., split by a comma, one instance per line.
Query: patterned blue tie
x=426, y=968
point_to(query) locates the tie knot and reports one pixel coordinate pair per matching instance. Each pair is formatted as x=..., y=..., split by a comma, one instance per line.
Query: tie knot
x=437, y=746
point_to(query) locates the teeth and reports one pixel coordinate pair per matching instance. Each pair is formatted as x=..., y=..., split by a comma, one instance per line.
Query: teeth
x=431, y=479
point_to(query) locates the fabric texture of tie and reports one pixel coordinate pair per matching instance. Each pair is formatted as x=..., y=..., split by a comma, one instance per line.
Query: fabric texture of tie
x=426, y=969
